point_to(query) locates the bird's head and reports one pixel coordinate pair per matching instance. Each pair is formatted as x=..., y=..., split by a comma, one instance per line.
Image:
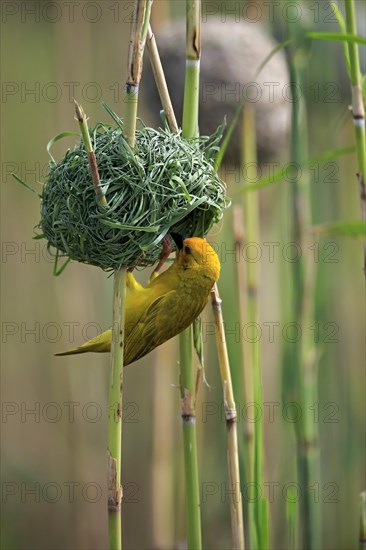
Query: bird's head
x=196, y=256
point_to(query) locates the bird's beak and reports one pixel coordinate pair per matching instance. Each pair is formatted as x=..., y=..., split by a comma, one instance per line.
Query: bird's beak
x=178, y=239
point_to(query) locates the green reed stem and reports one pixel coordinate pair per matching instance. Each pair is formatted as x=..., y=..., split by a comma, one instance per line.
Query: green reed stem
x=193, y=55
x=187, y=378
x=115, y=413
x=358, y=108
x=242, y=375
x=139, y=29
x=304, y=276
x=303, y=279
x=187, y=385
x=252, y=366
x=291, y=518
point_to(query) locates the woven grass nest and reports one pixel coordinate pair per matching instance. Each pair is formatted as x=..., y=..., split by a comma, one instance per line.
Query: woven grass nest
x=166, y=184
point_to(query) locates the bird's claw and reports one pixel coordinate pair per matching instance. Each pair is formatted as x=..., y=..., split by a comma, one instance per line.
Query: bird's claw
x=167, y=250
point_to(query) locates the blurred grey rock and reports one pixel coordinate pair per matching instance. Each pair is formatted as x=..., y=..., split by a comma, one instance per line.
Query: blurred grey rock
x=231, y=55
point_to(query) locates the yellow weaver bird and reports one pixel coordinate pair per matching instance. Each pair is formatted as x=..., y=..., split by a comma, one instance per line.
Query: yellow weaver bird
x=167, y=305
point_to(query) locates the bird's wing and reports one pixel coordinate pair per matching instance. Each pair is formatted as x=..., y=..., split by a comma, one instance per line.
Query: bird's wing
x=154, y=326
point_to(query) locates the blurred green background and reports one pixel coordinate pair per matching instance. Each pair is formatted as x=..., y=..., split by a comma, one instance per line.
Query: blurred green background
x=54, y=412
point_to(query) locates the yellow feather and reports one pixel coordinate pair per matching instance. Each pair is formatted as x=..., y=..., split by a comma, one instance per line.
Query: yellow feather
x=166, y=306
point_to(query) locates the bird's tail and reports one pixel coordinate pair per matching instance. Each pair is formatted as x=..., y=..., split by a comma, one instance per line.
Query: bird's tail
x=99, y=344
x=74, y=351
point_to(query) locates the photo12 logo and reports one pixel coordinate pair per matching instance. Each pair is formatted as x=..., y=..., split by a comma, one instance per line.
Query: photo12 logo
x=318, y=11
x=290, y=491
x=53, y=12
x=272, y=411
x=32, y=91
x=52, y=412
x=270, y=332
x=69, y=492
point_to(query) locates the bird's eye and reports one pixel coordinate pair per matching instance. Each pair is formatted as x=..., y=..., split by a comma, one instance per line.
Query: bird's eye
x=187, y=250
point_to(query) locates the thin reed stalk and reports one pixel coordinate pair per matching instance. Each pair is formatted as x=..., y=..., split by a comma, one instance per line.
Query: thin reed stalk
x=248, y=385
x=139, y=29
x=115, y=413
x=160, y=81
x=187, y=377
x=245, y=382
x=236, y=502
x=252, y=364
x=82, y=120
x=304, y=357
x=358, y=109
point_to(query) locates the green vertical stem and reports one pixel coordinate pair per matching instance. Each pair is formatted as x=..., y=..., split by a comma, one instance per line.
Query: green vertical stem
x=291, y=517
x=190, y=113
x=356, y=80
x=187, y=385
x=187, y=377
x=246, y=381
x=116, y=375
x=163, y=528
x=139, y=28
x=188, y=381
x=115, y=413
x=252, y=366
x=304, y=356
x=244, y=385
x=358, y=109
x=193, y=55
